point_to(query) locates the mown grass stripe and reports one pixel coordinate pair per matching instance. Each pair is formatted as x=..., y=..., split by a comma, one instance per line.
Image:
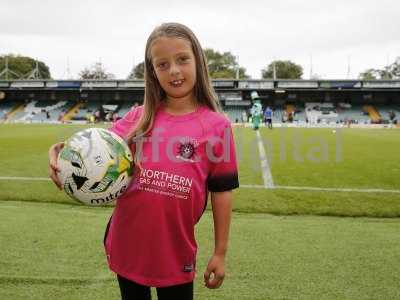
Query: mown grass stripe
x=255, y=186
x=324, y=189
x=53, y=280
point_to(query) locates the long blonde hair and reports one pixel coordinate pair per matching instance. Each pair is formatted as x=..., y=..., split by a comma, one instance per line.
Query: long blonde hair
x=154, y=94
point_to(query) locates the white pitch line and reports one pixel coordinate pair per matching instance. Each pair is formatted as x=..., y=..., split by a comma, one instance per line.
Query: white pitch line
x=266, y=171
x=310, y=188
x=252, y=186
x=258, y=186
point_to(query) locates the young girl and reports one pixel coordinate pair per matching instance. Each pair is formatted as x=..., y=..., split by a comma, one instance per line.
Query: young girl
x=183, y=149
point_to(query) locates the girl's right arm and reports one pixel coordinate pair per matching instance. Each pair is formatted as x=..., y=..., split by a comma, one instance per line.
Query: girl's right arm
x=53, y=169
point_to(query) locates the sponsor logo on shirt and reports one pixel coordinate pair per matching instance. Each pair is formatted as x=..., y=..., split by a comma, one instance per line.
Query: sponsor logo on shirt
x=165, y=183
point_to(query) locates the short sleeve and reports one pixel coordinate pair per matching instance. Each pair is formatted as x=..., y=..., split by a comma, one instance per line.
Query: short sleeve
x=223, y=171
x=125, y=125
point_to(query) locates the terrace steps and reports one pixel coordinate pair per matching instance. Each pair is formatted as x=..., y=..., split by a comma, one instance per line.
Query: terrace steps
x=17, y=108
x=72, y=112
x=373, y=113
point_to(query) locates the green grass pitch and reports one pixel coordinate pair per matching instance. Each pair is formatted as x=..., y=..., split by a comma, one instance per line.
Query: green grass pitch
x=283, y=245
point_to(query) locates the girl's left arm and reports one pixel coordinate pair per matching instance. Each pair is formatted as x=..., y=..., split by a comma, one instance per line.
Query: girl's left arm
x=221, y=207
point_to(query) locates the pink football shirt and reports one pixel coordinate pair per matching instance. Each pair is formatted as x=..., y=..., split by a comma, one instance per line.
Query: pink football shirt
x=150, y=238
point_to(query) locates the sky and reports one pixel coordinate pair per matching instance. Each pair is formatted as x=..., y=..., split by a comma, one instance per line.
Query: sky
x=333, y=40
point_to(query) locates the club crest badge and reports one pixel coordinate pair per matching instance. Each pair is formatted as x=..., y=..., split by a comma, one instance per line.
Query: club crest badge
x=187, y=149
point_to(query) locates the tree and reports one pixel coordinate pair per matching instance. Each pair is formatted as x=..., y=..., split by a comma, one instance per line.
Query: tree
x=20, y=67
x=283, y=69
x=96, y=71
x=394, y=69
x=375, y=74
x=223, y=65
x=137, y=72
x=370, y=74
x=391, y=71
x=386, y=73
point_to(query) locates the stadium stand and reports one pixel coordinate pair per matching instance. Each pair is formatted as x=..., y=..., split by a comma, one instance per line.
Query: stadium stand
x=320, y=102
x=300, y=115
x=124, y=108
x=234, y=113
x=352, y=113
x=37, y=111
x=18, y=107
x=292, y=114
x=84, y=109
x=373, y=113
x=277, y=116
x=5, y=109
x=320, y=112
x=290, y=108
x=101, y=111
x=389, y=114
x=68, y=114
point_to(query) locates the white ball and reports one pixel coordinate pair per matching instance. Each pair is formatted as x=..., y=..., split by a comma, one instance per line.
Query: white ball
x=96, y=166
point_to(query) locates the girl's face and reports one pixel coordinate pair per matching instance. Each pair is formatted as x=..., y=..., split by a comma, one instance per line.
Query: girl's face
x=175, y=67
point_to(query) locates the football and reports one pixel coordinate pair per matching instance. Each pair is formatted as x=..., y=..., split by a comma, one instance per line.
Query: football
x=96, y=166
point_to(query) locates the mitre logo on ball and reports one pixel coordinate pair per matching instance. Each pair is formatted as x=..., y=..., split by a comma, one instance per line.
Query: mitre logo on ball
x=96, y=166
